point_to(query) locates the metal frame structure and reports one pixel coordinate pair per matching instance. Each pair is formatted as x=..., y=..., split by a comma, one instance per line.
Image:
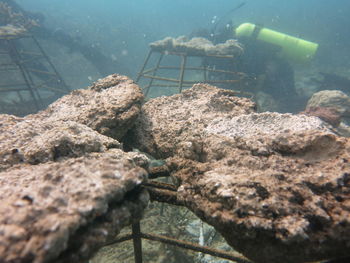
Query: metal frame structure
x=16, y=59
x=166, y=193
x=180, y=82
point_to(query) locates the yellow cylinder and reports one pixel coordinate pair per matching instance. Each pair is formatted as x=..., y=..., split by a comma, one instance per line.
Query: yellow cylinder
x=292, y=48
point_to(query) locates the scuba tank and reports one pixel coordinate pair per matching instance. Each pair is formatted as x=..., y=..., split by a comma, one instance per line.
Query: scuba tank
x=291, y=48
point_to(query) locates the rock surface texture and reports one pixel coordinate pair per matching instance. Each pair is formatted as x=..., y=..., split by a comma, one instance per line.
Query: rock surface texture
x=276, y=186
x=109, y=106
x=66, y=188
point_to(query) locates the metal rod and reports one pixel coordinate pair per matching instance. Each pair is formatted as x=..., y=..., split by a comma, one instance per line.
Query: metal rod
x=154, y=73
x=164, y=196
x=60, y=79
x=161, y=78
x=148, y=71
x=196, y=247
x=158, y=171
x=161, y=185
x=136, y=233
x=120, y=240
x=40, y=71
x=200, y=69
x=143, y=66
x=182, y=71
x=16, y=58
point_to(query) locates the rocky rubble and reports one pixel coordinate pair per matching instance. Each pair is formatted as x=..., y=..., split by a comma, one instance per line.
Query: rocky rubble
x=66, y=188
x=276, y=186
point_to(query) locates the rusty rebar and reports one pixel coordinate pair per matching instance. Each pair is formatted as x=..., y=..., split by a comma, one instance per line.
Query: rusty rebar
x=158, y=171
x=182, y=71
x=164, y=196
x=137, y=242
x=196, y=247
x=143, y=66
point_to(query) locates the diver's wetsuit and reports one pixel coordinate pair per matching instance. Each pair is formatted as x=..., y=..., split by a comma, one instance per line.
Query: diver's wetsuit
x=260, y=58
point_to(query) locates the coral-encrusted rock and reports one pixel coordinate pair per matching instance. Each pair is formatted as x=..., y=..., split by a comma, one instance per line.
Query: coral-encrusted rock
x=64, y=211
x=276, y=186
x=284, y=199
x=166, y=122
x=334, y=99
x=73, y=125
x=110, y=106
x=36, y=141
x=65, y=191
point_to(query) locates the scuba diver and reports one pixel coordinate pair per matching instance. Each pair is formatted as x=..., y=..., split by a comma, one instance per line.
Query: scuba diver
x=266, y=60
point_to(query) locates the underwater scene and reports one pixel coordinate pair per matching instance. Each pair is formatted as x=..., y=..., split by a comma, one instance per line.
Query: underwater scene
x=88, y=40
x=205, y=131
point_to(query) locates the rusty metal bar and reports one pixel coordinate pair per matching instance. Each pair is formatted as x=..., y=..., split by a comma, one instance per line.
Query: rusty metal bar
x=120, y=239
x=153, y=74
x=158, y=171
x=60, y=79
x=182, y=71
x=200, y=69
x=143, y=66
x=148, y=71
x=42, y=72
x=164, y=196
x=26, y=77
x=161, y=185
x=136, y=234
x=161, y=78
x=196, y=247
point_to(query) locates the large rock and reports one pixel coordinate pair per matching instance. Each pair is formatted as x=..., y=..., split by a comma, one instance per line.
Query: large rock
x=72, y=126
x=167, y=122
x=334, y=99
x=276, y=186
x=64, y=211
x=110, y=106
x=66, y=188
x=34, y=141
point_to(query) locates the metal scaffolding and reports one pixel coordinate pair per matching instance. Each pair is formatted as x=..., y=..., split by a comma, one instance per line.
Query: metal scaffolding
x=207, y=70
x=27, y=74
x=166, y=193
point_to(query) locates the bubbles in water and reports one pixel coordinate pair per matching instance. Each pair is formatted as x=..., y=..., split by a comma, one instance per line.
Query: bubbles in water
x=114, y=57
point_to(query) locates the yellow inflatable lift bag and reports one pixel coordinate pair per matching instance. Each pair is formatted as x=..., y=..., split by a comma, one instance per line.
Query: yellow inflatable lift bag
x=292, y=48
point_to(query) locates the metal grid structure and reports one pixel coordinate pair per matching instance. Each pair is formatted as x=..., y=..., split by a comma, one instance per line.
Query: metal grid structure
x=27, y=73
x=208, y=71
x=166, y=193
